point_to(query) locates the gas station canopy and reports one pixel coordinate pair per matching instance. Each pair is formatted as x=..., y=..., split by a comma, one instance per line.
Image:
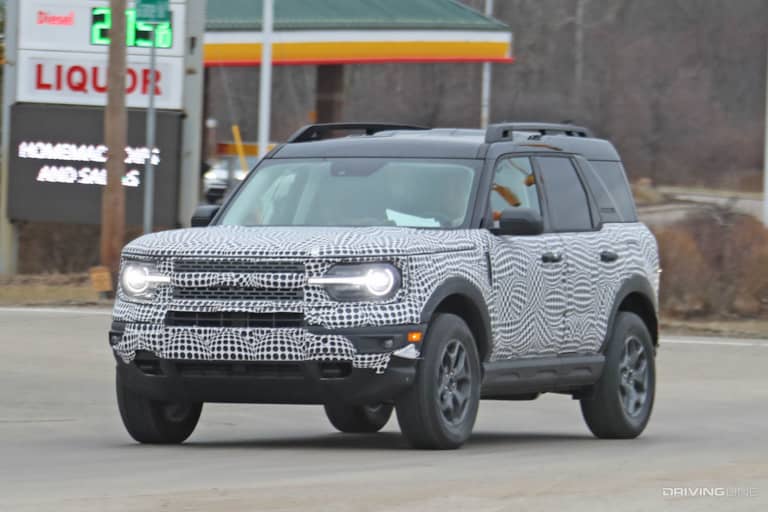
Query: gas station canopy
x=318, y=32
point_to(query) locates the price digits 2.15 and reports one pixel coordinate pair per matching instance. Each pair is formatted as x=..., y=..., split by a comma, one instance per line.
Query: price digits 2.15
x=138, y=33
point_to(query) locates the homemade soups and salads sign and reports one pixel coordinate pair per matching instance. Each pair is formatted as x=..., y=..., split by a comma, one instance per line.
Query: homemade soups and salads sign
x=57, y=164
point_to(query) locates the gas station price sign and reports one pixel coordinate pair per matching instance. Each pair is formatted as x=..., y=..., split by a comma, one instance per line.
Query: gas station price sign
x=138, y=33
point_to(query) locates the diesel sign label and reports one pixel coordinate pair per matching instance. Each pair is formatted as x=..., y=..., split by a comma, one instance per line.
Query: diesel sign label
x=57, y=165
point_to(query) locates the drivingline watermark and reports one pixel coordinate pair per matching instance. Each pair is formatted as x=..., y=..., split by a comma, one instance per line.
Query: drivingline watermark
x=709, y=492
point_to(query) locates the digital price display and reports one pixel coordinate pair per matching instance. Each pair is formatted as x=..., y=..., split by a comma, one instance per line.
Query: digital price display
x=138, y=33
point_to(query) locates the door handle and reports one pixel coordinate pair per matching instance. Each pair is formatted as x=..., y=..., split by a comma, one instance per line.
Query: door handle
x=551, y=257
x=608, y=256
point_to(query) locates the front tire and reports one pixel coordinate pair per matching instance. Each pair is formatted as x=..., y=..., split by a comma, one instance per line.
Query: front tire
x=621, y=403
x=358, y=419
x=153, y=422
x=439, y=410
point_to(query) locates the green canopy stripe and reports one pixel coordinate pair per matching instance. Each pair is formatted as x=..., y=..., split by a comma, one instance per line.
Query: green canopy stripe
x=226, y=15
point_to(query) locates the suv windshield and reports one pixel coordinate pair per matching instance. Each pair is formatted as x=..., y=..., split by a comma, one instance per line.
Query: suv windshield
x=428, y=193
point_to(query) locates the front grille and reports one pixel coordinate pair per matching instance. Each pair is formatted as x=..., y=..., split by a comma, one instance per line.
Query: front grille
x=265, y=370
x=233, y=319
x=238, y=266
x=233, y=293
x=289, y=273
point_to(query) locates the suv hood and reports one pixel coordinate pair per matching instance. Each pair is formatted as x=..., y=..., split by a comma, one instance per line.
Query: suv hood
x=299, y=242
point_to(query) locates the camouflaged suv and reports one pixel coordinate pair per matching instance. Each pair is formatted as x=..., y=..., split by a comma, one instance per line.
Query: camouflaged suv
x=401, y=268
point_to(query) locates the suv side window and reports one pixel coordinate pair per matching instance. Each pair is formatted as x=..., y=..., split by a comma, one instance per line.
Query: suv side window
x=514, y=186
x=611, y=189
x=566, y=198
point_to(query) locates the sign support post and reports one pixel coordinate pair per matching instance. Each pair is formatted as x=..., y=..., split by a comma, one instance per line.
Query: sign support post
x=152, y=12
x=149, y=169
x=9, y=240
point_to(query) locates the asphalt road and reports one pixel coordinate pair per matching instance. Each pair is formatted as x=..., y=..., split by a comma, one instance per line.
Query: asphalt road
x=63, y=448
x=690, y=202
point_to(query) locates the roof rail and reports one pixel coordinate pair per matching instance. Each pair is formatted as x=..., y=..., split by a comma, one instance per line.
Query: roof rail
x=503, y=131
x=322, y=131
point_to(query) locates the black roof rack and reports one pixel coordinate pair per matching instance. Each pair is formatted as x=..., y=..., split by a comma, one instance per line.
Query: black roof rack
x=503, y=131
x=322, y=131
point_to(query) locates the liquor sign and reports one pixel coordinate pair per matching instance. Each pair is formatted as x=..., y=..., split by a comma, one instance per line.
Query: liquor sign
x=81, y=79
x=57, y=165
x=63, y=47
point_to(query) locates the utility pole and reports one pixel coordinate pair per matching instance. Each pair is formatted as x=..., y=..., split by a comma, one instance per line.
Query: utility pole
x=578, y=49
x=115, y=138
x=265, y=72
x=485, y=99
x=765, y=157
x=189, y=180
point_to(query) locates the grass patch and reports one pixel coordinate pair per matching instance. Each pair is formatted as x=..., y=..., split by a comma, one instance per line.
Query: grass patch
x=49, y=289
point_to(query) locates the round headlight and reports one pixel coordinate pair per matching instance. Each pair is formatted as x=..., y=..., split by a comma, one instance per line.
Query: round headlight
x=134, y=279
x=380, y=281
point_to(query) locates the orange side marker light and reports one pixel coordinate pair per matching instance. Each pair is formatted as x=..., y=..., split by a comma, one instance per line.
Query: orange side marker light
x=414, y=337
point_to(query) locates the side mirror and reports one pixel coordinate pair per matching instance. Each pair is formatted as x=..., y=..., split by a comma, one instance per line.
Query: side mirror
x=204, y=214
x=520, y=221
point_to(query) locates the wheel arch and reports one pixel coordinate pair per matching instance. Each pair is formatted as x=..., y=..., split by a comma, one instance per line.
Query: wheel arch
x=460, y=297
x=636, y=296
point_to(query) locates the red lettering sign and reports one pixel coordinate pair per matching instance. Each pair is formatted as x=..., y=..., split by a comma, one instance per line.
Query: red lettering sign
x=132, y=80
x=145, y=75
x=65, y=20
x=95, y=83
x=39, y=83
x=91, y=79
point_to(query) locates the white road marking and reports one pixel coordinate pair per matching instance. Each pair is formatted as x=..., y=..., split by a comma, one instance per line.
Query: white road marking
x=665, y=340
x=67, y=311
x=725, y=342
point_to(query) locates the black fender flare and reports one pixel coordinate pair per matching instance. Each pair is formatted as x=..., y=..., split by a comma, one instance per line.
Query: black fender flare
x=638, y=284
x=458, y=286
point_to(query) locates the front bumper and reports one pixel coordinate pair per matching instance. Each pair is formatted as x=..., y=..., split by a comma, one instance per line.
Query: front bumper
x=369, y=347
x=366, y=369
x=307, y=382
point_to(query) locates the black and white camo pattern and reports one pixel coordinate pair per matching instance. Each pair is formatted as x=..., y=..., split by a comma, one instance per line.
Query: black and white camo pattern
x=535, y=308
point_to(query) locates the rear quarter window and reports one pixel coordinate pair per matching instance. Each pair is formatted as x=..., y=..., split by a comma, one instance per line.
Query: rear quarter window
x=610, y=187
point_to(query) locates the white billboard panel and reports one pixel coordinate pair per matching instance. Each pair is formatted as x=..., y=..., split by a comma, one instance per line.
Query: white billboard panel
x=81, y=79
x=83, y=26
x=62, y=56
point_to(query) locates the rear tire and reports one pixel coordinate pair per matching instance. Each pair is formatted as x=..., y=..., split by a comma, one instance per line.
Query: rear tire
x=153, y=422
x=358, y=419
x=621, y=403
x=439, y=410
